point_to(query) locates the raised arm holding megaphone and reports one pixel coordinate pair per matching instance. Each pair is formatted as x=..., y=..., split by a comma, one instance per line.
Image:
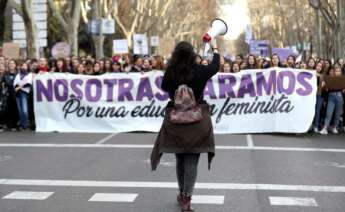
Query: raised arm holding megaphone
x=218, y=27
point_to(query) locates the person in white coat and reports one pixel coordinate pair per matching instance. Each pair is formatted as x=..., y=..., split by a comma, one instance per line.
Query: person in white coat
x=22, y=84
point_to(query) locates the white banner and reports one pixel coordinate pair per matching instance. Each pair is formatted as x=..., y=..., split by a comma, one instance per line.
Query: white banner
x=140, y=44
x=120, y=46
x=252, y=101
x=154, y=41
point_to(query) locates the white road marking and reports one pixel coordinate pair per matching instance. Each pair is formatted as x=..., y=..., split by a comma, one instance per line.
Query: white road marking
x=136, y=184
x=208, y=199
x=250, y=142
x=5, y=158
x=113, y=197
x=28, y=195
x=149, y=146
x=293, y=201
x=330, y=164
x=102, y=141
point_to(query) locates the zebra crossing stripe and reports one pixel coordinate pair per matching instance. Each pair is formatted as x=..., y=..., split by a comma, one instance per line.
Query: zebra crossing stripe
x=113, y=197
x=28, y=195
x=292, y=201
x=208, y=199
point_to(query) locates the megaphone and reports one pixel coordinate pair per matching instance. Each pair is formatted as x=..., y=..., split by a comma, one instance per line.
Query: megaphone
x=218, y=27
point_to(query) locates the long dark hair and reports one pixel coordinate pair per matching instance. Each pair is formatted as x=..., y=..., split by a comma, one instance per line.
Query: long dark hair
x=64, y=65
x=251, y=66
x=180, y=66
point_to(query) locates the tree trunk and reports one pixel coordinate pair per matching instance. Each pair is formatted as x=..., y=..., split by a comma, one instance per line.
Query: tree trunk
x=70, y=25
x=72, y=39
x=341, y=32
x=319, y=33
x=98, y=38
x=75, y=18
x=3, y=4
x=99, y=41
x=30, y=29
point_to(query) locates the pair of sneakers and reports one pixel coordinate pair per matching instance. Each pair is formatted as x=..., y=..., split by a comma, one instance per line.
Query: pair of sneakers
x=324, y=131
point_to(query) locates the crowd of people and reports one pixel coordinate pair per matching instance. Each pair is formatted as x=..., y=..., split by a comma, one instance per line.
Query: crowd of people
x=16, y=76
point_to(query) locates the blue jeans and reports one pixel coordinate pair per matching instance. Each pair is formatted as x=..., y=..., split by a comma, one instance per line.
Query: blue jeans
x=319, y=101
x=22, y=104
x=335, y=103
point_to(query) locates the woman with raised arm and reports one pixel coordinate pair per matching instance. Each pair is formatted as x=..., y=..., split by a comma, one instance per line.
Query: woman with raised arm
x=186, y=140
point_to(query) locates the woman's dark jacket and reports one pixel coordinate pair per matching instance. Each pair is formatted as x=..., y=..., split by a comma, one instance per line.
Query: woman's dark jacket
x=187, y=138
x=3, y=95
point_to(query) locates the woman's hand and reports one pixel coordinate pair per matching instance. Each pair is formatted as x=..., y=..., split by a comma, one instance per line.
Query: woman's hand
x=323, y=84
x=18, y=88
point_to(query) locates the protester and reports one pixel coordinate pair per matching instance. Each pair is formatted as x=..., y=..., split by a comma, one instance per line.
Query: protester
x=88, y=67
x=127, y=66
x=239, y=58
x=3, y=96
x=235, y=67
x=222, y=61
x=157, y=62
x=303, y=65
x=275, y=61
x=187, y=141
x=198, y=59
x=11, y=105
x=80, y=69
x=327, y=66
x=107, y=66
x=75, y=63
x=22, y=84
x=43, y=65
x=311, y=64
x=341, y=63
x=146, y=65
x=138, y=64
x=61, y=66
x=101, y=65
x=226, y=67
x=69, y=65
x=204, y=62
x=97, y=68
x=319, y=97
x=291, y=61
x=251, y=62
x=334, y=105
x=116, y=67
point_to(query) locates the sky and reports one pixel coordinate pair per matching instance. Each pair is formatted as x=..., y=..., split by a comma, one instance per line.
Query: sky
x=237, y=18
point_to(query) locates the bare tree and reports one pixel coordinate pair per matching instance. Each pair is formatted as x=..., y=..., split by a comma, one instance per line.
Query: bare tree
x=3, y=5
x=168, y=19
x=70, y=23
x=25, y=10
x=100, y=9
x=332, y=12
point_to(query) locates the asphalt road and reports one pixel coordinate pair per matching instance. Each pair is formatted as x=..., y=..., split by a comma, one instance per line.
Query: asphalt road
x=56, y=172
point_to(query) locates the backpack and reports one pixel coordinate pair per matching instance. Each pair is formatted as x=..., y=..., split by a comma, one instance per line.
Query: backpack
x=186, y=110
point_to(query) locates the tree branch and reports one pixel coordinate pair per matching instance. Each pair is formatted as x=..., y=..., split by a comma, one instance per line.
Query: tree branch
x=83, y=11
x=57, y=15
x=16, y=7
x=117, y=19
x=75, y=12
